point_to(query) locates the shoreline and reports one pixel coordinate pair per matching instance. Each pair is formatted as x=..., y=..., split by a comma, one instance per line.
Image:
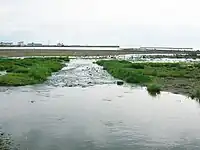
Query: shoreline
x=177, y=78
x=78, y=52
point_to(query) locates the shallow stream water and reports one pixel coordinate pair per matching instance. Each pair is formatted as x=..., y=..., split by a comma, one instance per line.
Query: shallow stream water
x=82, y=108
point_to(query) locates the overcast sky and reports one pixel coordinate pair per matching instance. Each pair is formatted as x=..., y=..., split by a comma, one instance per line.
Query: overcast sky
x=122, y=22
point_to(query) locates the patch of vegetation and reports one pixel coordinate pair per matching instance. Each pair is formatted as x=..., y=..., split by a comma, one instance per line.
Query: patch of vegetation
x=195, y=94
x=180, y=78
x=29, y=71
x=122, y=70
x=154, y=89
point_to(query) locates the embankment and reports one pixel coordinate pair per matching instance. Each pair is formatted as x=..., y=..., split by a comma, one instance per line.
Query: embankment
x=67, y=52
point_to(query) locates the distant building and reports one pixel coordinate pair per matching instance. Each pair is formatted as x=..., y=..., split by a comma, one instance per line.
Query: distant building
x=6, y=43
x=34, y=44
x=21, y=43
x=166, y=48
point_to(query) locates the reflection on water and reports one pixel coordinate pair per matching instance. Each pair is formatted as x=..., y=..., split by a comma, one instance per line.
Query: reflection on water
x=99, y=117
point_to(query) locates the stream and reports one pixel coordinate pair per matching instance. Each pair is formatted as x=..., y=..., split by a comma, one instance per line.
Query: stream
x=82, y=108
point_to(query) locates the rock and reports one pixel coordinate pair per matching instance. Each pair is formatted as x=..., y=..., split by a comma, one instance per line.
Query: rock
x=120, y=82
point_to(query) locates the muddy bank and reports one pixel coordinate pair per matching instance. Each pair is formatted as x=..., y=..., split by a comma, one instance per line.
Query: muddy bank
x=184, y=86
x=58, y=52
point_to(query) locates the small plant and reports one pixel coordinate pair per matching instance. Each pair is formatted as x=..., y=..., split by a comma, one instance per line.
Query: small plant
x=195, y=94
x=154, y=88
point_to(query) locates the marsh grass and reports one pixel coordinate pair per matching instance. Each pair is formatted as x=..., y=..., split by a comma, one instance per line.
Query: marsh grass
x=156, y=76
x=195, y=94
x=29, y=70
x=154, y=89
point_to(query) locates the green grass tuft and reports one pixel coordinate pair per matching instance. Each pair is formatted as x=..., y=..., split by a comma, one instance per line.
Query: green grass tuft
x=195, y=94
x=154, y=88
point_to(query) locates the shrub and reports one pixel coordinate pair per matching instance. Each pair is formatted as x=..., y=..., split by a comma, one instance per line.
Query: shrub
x=154, y=88
x=195, y=94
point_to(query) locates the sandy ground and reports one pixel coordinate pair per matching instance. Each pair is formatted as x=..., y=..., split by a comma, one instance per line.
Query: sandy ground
x=54, y=52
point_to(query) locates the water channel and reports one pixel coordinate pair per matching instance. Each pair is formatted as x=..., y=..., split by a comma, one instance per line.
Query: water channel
x=82, y=108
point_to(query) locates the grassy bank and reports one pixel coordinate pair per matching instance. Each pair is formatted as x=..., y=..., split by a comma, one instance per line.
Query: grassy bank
x=29, y=71
x=180, y=78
